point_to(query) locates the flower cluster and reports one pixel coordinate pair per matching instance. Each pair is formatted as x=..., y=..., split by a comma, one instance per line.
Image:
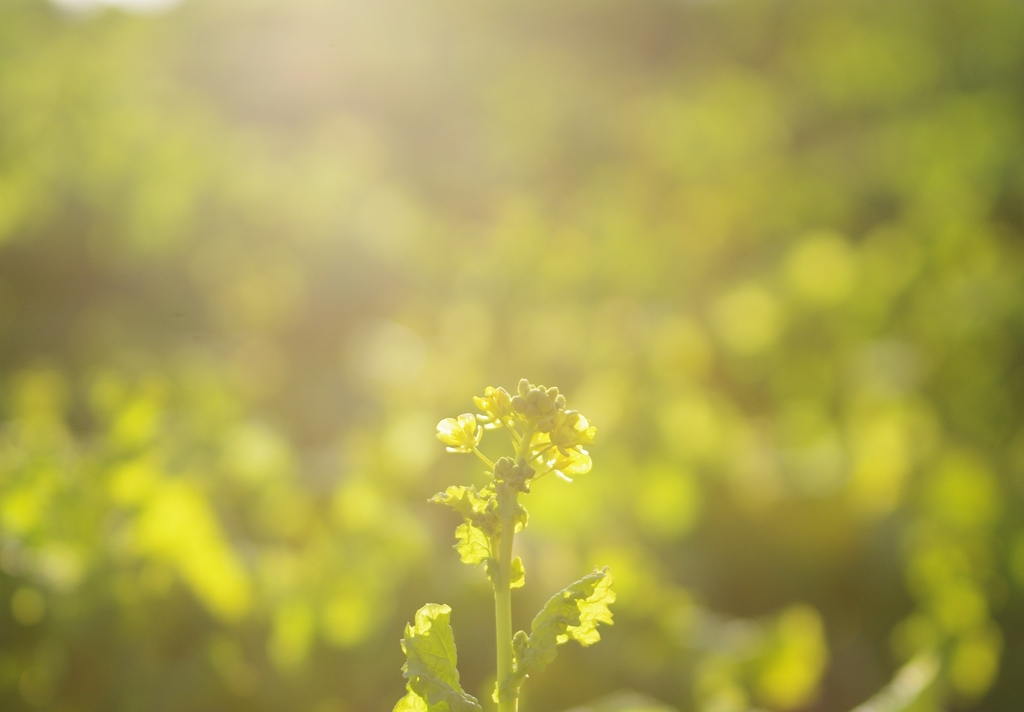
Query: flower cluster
x=538, y=405
x=515, y=476
x=571, y=431
x=546, y=436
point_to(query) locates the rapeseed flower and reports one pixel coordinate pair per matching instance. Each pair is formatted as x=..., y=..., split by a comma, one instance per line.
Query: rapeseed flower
x=460, y=434
x=571, y=430
x=496, y=405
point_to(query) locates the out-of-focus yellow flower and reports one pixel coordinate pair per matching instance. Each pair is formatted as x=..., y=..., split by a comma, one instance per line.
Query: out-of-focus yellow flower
x=569, y=464
x=571, y=430
x=460, y=434
x=496, y=405
x=577, y=462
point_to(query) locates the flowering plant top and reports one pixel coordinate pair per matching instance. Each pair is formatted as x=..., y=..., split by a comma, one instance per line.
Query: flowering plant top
x=546, y=437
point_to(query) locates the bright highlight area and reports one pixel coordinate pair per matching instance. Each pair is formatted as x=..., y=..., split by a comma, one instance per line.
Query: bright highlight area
x=141, y=6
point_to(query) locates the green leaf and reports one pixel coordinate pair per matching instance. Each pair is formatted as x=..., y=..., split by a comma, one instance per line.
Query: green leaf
x=477, y=534
x=593, y=610
x=474, y=547
x=517, y=575
x=521, y=518
x=474, y=506
x=572, y=613
x=430, y=665
x=411, y=703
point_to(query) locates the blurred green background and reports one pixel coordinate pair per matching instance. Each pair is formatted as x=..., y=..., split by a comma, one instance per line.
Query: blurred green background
x=251, y=251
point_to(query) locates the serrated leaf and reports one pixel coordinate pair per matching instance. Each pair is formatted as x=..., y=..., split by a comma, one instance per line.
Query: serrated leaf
x=517, y=575
x=593, y=610
x=479, y=510
x=572, y=613
x=474, y=547
x=467, y=501
x=430, y=665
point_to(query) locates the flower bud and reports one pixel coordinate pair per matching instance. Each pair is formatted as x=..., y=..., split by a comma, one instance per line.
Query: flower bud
x=516, y=476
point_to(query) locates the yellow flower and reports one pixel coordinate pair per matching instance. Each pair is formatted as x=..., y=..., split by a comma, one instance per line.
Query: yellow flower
x=496, y=405
x=460, y=434
x=570, y=429
x=570, y=463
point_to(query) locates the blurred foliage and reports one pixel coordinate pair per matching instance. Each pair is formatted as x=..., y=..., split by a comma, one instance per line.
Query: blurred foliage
x=251, y=252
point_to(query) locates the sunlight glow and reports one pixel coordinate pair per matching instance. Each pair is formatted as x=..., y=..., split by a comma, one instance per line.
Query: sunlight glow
x=143, y=6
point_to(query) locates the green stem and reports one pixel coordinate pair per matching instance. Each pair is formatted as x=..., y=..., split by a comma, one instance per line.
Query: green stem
x=508, y=500
x=484, y=458
x=503, y=611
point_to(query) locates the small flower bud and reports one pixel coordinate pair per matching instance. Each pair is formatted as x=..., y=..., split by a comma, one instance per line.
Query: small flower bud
x=516, y=476
x=544, y=402
x=524, y=387
x=502, y=467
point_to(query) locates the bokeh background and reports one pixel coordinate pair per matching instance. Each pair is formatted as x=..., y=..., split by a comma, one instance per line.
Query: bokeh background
x=251, y=251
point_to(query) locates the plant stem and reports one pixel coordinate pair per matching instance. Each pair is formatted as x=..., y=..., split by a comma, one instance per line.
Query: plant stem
x=508, y=500
x=484, y=458
x=503, y=609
